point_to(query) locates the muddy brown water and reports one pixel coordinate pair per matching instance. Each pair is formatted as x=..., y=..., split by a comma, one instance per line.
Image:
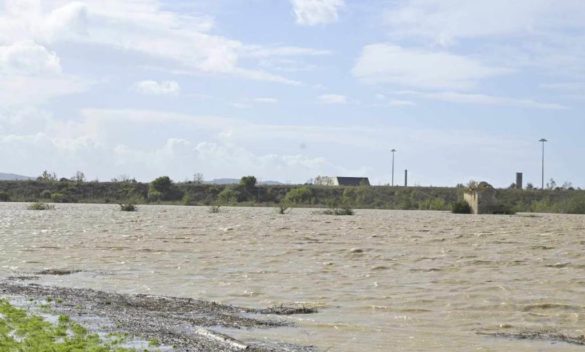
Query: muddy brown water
x=382, y=280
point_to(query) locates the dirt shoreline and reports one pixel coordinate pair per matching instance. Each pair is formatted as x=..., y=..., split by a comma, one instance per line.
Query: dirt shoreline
x=186, y=324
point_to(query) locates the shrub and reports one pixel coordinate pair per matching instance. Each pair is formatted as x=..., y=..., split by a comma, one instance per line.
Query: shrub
x=228, y=196
x=335, y=209
x=40, y=206
x=575, y=205
x=301, y=195
x=154, y=196
x=187, y=199
x=46, y=194
x=127, y=207
x=461, y=208
x=283, y=207
x=502, y=209
x=4, y=197
x=433, y=204
x=58, y=197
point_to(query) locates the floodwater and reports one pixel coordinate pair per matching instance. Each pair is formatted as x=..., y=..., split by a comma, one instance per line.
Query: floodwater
x=382, y=280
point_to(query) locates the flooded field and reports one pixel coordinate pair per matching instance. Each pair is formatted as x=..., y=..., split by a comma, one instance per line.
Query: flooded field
x=382, y=280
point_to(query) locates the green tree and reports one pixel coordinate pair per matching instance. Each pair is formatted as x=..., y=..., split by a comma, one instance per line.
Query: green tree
x=248, y=182
x=47, y=176
x=163, y=188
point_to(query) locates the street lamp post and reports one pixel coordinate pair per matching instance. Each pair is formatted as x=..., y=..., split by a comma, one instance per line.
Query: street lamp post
x=543, y=141
x=393, y=152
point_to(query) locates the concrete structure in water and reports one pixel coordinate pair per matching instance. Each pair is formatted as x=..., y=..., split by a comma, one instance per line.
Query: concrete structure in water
x=341, y=181
x=481, y=198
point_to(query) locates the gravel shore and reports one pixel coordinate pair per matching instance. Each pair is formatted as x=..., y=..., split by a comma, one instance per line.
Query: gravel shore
x=186, y=324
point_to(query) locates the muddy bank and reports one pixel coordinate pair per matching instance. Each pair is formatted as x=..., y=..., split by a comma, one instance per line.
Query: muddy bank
x=186, y=324
x=549, y=336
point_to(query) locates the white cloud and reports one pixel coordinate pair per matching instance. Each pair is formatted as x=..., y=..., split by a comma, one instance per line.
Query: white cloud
x=392, y=64
x=177, y=42
x=333, y=99
x=314, y=12
x=265, y=100
x=400, y=103
x=28, y=58
x=483, y=99
x=287, y=51
x=447, y=21
x=150, y=87
x=28, y=90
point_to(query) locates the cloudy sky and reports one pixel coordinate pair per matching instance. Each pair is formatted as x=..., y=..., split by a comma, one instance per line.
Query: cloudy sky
x=291, y=89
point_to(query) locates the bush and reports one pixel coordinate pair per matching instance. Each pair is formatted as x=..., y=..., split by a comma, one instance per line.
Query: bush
x=461, y=208
x=283, y=207
x=58, y=197
x=187, y=200
x=127, y=207
x=575, y=205
x=433, y=204
x=4, y=197
x=40, y=206
x=301, y=195
x=46, y=194
x=502, y=209
x=228, y=196
x=335, y=209
x=154, y=196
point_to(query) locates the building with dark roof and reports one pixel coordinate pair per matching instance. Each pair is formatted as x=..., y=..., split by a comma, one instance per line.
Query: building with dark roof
x=341, y=181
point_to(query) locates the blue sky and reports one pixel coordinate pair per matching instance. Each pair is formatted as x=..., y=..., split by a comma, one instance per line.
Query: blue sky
x=288, y=90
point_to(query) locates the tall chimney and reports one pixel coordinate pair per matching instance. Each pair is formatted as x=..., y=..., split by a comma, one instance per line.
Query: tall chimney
x=405, y=178
x=519, y=184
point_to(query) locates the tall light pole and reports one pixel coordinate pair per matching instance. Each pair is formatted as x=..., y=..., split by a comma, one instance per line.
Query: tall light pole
x=543, y=141
x=393, y=152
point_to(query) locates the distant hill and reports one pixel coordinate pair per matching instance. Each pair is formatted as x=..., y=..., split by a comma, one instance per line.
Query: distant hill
x=13, y=177
x=235, y=181
x=224, y=181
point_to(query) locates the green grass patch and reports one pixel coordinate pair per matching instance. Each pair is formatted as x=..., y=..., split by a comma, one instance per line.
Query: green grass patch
x=21, y=331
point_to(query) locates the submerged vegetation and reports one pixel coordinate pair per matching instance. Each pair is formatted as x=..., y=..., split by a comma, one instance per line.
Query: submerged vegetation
x=21, y=331
x=127, y=207
x=164, y=191
x=40, y=206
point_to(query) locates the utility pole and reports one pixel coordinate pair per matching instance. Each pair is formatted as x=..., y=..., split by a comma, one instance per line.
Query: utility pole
x=393, y=152
x=543, y=141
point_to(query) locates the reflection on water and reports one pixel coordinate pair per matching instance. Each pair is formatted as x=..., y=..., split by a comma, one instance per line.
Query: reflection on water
x=384, y=280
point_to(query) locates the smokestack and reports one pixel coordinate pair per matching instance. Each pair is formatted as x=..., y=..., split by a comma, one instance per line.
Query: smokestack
x=405, y=178
x=519, y=180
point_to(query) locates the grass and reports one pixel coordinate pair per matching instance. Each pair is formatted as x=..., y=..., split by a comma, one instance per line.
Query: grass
x=24, y=332
x=40, y=206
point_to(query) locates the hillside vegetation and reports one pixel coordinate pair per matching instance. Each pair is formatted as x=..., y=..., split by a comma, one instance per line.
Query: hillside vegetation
x=164, y=191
